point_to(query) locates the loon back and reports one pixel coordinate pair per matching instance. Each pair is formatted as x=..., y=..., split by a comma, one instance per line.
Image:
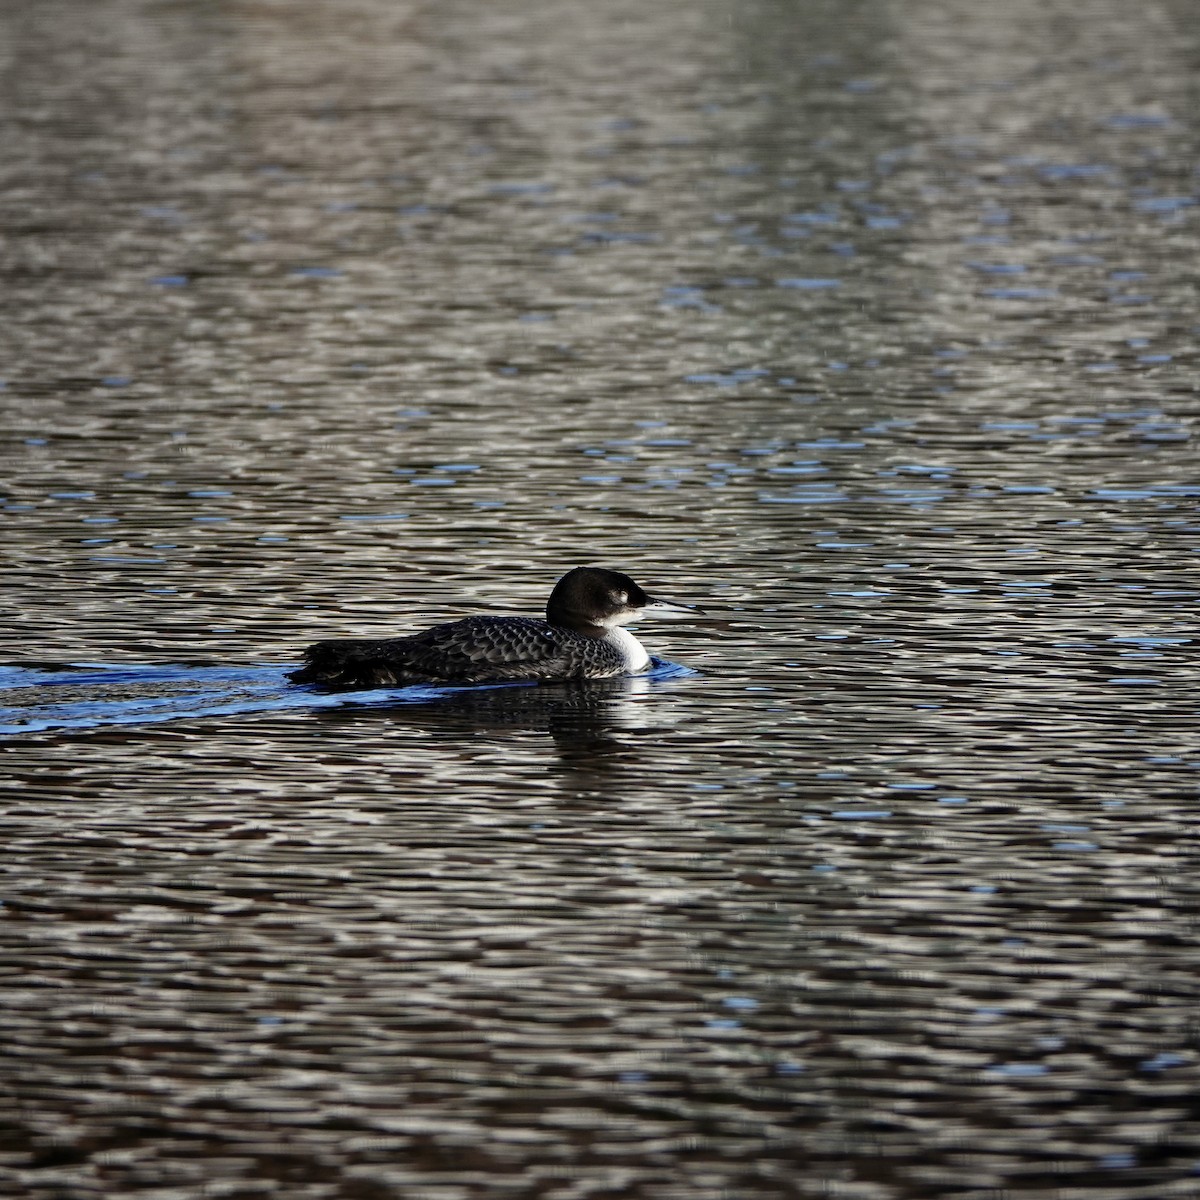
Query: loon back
x=474, y=650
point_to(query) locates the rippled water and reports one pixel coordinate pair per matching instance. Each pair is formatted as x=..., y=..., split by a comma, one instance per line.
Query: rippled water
x=869, y=327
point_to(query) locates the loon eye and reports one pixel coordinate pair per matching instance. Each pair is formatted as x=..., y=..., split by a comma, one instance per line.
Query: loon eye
x=620, y=597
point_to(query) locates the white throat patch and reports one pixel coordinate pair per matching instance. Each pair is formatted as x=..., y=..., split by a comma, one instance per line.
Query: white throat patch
x=632, y=651
x=622, y=618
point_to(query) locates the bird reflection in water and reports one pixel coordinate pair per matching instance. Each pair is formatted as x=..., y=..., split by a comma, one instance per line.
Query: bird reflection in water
x=595, y=724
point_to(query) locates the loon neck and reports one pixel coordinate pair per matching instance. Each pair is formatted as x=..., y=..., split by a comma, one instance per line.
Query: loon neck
x=630, y=649
x=632, y=652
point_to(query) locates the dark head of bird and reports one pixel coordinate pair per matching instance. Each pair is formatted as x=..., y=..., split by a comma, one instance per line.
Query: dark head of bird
x=590, y=600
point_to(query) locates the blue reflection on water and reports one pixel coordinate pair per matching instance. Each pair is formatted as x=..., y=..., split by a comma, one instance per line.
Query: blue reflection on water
x=99, y=695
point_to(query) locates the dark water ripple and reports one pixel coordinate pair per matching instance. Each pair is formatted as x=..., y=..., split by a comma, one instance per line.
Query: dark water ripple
x=873, y=331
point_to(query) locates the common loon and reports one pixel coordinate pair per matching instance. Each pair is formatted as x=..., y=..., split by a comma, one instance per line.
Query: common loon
x=581, y=638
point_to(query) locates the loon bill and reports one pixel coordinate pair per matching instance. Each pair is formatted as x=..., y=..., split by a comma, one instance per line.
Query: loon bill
x=581, y=638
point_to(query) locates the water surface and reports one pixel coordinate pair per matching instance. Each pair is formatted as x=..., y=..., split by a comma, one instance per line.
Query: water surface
x=872, y=329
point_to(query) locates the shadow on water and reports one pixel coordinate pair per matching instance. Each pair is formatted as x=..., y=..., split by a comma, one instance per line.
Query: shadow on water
x=83, y=696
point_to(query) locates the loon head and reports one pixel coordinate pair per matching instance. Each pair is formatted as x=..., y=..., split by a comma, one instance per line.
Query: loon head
x=591, y=600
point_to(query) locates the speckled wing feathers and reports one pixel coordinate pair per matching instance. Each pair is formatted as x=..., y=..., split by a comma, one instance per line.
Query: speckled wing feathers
x=474, y=650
